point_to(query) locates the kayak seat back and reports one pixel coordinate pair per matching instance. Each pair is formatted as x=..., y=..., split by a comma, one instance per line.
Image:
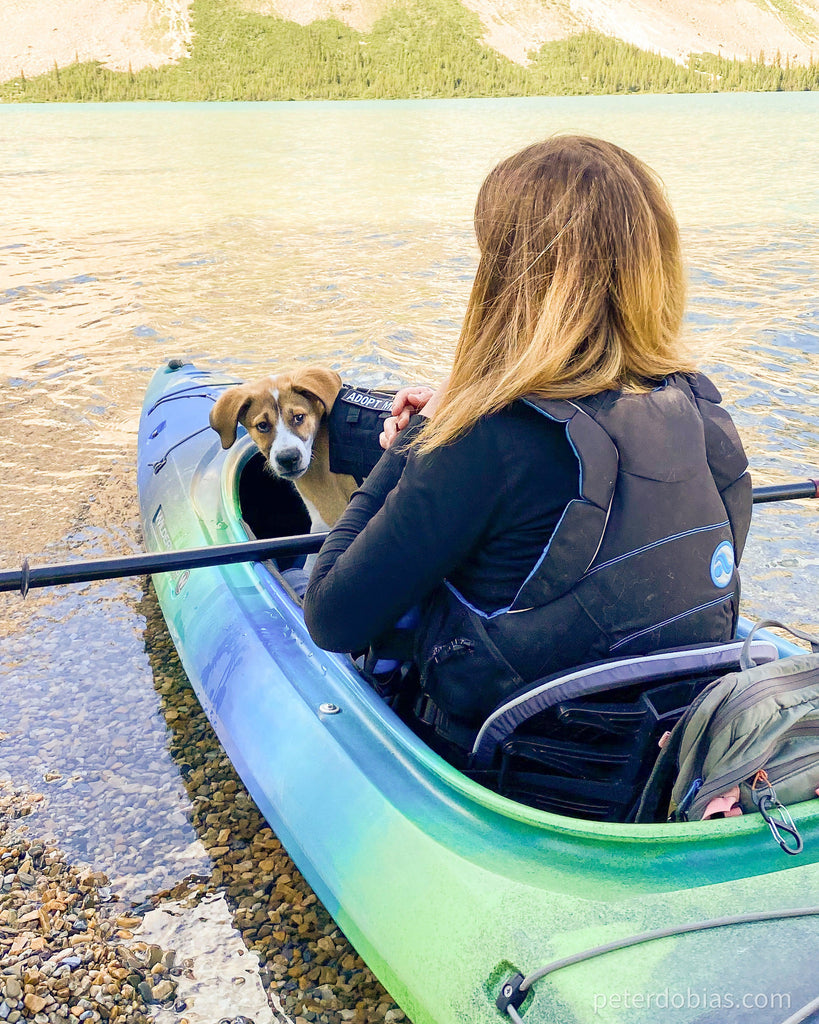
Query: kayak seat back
x=583, y=742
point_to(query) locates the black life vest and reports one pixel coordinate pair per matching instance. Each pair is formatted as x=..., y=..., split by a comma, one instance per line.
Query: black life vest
x=643, y=559
x=354, y=424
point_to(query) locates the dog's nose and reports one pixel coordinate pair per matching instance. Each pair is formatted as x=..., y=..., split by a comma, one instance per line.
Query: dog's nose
x=288, y=460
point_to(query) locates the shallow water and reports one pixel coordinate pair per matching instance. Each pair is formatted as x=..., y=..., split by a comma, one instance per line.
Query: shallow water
x=251, y=236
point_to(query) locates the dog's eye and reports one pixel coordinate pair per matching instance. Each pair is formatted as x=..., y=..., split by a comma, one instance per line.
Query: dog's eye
x=298, y=418
x=263, y=427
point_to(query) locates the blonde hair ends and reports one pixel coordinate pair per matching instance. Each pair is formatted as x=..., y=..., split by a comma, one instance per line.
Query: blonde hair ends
x=579, y=289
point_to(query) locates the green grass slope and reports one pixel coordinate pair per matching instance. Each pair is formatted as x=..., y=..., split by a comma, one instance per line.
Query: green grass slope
x=418, y=49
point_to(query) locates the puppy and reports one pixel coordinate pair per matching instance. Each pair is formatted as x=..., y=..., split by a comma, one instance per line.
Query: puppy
x=286, y=416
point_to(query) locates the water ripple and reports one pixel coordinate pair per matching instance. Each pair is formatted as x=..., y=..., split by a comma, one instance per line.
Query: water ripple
x=251, y=237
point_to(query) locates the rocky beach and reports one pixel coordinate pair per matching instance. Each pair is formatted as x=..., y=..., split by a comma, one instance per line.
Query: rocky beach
x=73, y=949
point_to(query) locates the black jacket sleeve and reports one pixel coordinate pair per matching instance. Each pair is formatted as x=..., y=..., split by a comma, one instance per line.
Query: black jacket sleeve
x=411, y=523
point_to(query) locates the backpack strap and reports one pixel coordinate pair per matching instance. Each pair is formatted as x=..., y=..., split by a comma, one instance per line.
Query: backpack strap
x=745, y=659
x=655, y=799
x=653, y=805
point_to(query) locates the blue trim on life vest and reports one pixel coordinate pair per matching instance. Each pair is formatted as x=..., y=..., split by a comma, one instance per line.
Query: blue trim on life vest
x=580, y=497
x=502, y=611
x=468, y=604
x=548, y=415
x=667, y=622
x=545, y=551
x=566, y=423
x=656, y=544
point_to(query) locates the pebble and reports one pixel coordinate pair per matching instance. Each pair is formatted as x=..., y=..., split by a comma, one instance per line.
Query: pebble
x=305, y=960
x=69, y=939
x=47, y=975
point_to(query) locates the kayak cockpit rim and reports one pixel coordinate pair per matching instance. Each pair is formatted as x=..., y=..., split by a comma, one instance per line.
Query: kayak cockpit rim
x=427, y=761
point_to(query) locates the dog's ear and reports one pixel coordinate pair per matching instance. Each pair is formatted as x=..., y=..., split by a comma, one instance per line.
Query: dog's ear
x=230, y=406
x=319, y=381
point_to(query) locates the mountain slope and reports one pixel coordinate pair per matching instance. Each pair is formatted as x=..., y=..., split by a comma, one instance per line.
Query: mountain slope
x=391, y=48
x=674, y=28
x=37, y=34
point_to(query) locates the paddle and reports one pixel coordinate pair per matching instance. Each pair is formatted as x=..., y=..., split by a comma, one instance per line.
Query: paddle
x=781, y=492
x=160, y=561
x=250, y=551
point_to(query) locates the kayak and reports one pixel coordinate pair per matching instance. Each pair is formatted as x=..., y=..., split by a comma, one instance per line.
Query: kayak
x=450, y=891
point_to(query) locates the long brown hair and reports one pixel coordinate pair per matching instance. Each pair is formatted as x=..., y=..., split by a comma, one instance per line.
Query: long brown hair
x=579, y=289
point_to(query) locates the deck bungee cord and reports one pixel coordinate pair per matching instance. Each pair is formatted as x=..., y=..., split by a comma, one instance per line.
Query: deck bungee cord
x=160, y=463
x=805, y=1013
x=192, y=392
x=515, y=990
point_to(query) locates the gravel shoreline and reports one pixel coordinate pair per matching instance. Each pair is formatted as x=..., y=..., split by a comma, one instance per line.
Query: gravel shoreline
x=70, y=948
x=63, y=939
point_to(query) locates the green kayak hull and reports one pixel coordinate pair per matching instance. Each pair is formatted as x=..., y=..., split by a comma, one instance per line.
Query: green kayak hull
x=445, y=888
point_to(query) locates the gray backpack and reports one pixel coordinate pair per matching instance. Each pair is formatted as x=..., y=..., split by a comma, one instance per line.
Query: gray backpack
x=756, y=729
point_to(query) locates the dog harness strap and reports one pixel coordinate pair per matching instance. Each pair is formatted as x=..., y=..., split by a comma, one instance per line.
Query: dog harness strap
x=354, y=424
x=377, y=401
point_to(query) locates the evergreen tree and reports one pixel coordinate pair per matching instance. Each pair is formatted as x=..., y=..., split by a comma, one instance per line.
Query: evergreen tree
x=417, y=49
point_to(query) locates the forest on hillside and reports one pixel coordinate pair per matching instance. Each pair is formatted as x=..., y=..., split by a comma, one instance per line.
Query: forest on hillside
x=423, y=49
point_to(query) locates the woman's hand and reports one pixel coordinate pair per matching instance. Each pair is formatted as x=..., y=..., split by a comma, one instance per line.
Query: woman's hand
x=407, y=402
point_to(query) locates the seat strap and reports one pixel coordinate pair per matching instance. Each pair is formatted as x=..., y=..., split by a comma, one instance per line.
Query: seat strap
x=451, y=729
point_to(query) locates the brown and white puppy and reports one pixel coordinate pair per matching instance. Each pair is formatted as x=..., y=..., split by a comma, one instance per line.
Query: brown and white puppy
x=286, y=416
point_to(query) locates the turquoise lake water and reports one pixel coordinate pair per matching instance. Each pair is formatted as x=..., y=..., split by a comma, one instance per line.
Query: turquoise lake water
x=252, y=236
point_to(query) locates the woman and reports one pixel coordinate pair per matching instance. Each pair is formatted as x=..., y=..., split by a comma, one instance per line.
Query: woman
x=577, y=492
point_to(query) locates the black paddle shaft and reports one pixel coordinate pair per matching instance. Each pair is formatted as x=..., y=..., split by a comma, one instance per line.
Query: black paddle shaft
x=781, y=492
x=161, y=561
x=250, y=551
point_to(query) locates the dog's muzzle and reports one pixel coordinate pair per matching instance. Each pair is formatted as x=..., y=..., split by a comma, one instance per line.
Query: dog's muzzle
x=288, y=464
